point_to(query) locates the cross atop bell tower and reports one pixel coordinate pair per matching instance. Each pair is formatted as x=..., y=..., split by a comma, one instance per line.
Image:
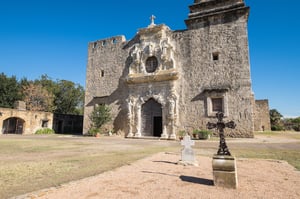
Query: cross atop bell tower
x=152, y=18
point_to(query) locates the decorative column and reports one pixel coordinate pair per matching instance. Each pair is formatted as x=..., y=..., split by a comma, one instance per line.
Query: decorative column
x=139, y=120
x=130, y=116
x=172, y=115
x=164, y=134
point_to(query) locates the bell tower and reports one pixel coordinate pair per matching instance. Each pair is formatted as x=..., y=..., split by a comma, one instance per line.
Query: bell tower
x=211, y=12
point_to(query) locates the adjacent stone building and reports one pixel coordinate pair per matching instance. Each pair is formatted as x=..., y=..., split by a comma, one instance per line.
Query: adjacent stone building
x=261, y=116
x=21, y=121
x=163, y=81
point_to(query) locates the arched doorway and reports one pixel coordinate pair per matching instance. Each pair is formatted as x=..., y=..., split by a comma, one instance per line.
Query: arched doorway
x=13, y=125
x=152, y=118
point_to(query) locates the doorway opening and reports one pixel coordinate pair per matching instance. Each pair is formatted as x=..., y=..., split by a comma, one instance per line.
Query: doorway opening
x=152, y=118
x=13, y=125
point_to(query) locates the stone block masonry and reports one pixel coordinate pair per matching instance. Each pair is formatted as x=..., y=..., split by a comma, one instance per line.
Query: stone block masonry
x=186, y=76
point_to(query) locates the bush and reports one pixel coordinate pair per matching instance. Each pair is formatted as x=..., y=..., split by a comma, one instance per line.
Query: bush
x=45, y=131
x=99, y=116
x=181, y=134
x=204, y=134
x=277, y=128
x=93, y=131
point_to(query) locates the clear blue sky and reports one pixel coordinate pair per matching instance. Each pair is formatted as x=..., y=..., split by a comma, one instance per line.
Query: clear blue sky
x=51, y=37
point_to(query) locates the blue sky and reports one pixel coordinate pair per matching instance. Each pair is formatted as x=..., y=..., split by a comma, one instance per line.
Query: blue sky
x=51, y=37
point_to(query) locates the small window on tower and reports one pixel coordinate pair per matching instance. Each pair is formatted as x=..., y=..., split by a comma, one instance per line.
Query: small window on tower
x=102, y=73
x=215, y=56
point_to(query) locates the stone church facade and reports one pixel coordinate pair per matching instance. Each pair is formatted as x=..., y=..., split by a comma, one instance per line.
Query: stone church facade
x=164, y=81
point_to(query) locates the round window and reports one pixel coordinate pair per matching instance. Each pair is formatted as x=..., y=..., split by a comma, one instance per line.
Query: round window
x=151, y=64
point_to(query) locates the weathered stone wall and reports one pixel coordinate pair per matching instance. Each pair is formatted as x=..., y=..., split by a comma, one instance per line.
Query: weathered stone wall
x=33, y=120
x=106, y=72
x=230, y=72
x=262, y=116
x=208, y=60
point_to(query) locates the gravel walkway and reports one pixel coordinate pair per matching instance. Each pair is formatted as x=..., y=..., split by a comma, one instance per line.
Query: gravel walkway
x=159, y=177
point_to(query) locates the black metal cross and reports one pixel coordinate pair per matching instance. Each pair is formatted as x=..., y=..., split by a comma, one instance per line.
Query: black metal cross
x=220, y=125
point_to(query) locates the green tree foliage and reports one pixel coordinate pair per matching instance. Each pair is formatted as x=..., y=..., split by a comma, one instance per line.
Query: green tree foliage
x=292, y=124
x=276, y=120
x=10, y=91
x=63, y=96
x=99, y=116
x=69, y=97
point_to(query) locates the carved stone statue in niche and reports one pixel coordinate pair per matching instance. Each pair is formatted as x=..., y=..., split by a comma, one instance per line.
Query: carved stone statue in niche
x=135, y=53
x=166, y=56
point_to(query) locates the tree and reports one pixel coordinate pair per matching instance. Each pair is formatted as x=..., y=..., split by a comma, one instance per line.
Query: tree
x=276, y=120
x=292, y=124
x=38, y=98
x=99, y=116
x=69, y=97
x=10, y=91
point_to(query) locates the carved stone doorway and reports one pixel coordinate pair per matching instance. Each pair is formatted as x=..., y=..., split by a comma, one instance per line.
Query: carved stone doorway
x=151, y=118
x=13, y=125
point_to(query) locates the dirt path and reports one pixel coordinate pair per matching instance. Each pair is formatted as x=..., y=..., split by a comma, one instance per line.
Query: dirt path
x=159, y=176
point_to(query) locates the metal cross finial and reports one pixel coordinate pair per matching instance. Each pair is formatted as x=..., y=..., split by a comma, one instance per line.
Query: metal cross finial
x=152, y=18
x=220, y=125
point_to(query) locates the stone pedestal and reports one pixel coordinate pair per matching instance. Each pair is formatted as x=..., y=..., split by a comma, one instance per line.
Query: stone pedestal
x=224, y=171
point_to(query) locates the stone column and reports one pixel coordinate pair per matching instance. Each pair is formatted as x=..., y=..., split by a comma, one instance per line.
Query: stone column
x=139, y=120
x=130, y=117
x=164, y=134
x=172, y=117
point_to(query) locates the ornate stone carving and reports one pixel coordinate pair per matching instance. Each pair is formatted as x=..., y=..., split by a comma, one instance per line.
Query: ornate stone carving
x=154, y=43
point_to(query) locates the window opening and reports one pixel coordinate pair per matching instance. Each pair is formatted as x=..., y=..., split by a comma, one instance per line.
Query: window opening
x=45, y=123
x=215, y=56
x=217, y=104
x=151, y=64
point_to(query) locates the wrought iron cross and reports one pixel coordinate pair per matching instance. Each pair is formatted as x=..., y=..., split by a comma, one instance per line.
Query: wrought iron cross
x=220, y=125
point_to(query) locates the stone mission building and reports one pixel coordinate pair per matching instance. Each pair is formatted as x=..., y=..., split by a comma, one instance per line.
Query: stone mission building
x=163, y=81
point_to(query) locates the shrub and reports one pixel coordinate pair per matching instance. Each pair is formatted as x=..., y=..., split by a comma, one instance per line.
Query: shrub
x=204, y=134
x=181, y=133
x=44, y=131
x=100, y=116
x=93, y=131
x=277, y=128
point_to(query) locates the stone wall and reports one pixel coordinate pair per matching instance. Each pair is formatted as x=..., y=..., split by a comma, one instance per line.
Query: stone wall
x=262, y=116
x=208, y=60
x=32, y=120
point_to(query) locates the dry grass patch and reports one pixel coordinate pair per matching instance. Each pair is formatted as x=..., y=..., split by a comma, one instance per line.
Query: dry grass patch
x=27, y=165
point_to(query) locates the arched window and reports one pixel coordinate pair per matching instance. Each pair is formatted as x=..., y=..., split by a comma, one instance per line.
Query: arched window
x=151, y=64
